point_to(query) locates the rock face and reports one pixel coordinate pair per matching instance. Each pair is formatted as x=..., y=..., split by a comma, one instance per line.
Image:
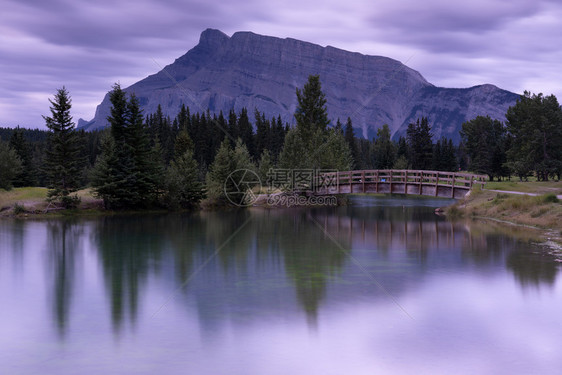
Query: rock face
x=255, y=71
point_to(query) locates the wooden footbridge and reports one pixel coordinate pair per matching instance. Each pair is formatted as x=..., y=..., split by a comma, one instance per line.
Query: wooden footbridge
x=429, y=183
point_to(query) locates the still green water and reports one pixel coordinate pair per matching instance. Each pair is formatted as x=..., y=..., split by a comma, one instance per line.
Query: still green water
x=383, y=286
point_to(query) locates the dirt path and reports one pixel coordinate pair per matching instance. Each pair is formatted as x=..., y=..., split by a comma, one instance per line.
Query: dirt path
x=519, y=193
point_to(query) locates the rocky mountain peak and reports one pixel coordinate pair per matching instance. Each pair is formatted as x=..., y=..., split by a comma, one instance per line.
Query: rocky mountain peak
x=262, y=72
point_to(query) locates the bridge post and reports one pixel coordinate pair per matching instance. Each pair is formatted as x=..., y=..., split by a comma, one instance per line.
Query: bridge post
x=363, y=179
x=377, y=181
x=453, y=187
x=436, y=182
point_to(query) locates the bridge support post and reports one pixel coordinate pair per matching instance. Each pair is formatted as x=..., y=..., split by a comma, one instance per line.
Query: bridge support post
x=363, y=180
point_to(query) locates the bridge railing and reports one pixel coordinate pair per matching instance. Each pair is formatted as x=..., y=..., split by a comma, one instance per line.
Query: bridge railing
x=395, y=176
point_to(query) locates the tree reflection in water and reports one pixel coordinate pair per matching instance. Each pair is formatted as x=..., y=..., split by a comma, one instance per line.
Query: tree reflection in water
x=239, y=262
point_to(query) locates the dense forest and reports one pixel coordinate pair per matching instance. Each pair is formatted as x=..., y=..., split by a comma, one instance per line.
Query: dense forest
x=154, y=160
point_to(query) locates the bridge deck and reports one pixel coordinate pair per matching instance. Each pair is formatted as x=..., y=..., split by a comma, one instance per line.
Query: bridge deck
x=430, y=183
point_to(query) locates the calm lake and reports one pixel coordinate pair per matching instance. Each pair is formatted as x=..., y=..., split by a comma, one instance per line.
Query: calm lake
x=383, y=286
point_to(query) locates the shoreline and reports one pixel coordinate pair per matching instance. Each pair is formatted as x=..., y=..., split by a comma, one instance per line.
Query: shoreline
x=531, y=212
x=541, y=213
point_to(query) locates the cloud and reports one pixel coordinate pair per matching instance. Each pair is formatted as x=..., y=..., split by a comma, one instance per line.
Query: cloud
x=88, y=46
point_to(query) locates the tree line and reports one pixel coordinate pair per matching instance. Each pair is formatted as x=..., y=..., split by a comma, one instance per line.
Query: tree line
x=153, y=161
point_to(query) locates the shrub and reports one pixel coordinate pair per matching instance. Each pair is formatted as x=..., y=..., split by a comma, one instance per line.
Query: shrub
x=19, y=209
x=549, y=198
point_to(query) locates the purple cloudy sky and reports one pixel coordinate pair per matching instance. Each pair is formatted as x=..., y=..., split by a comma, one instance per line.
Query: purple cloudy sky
x=87, y=46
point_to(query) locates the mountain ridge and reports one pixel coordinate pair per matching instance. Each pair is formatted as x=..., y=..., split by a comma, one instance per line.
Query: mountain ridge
x=256, y=71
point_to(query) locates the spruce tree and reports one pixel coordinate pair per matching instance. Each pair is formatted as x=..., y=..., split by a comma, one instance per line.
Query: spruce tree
x=183, y=188
x=128, y=173
x=420, y=144
x=104, y=174
x=264, y=166
x=384, y=149
x=219, y=170
x=311, y=113
x=484, y=141
x=10, y=165
x=306, y=145
x=28, y=173
x=351, y=142
x=246, y=133
x=63, y=164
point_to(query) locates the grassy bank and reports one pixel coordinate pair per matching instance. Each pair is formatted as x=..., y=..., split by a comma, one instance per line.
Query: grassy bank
x=32, y=200
x=526, y=187
x=543, y=211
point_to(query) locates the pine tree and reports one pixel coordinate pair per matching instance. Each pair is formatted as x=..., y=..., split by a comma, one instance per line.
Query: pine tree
x=128, y=173
x=183, y=188
x=263, y=133
x=104, y=175
x=264, y=166
x=147, y=168
x=351, y=142
x=339, y=126
x=242, y=158
x=420, y=144
x=295, y=152
x=384, y=149
x=305, y=145
x=246, y=132
x=335, y=153
x=63, y=164
x=28, y=173
x=182, y=144
x=311, y=113
x=10, y=165
x=219, y=170
x=484, y=140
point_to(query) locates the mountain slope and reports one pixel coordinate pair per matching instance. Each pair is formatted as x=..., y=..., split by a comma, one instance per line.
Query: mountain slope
x=255, y=71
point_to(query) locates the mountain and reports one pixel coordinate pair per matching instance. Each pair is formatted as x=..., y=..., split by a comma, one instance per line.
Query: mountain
x=256, y=71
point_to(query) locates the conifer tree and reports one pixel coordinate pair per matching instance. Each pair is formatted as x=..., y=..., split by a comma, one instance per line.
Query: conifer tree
x=10, y=165
x=534, y=124
x=246, y=133
x=310, y=145
x=104, y=174
x=128, y=173
x=384, y=149
x=264, y=166
x=28, y=173
x=420, y=144
x=183, y=188
x=311, y=113
x=63, y=164
x=219, y=170
x=351, y=142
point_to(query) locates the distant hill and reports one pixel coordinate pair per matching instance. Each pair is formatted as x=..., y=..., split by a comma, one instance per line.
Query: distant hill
x=256, y=71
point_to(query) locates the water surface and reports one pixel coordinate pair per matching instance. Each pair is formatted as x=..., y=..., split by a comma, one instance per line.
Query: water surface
x=380, y=287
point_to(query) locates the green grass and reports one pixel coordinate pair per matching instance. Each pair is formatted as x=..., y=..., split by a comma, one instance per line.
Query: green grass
x=9, y=198
x=526, y=187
